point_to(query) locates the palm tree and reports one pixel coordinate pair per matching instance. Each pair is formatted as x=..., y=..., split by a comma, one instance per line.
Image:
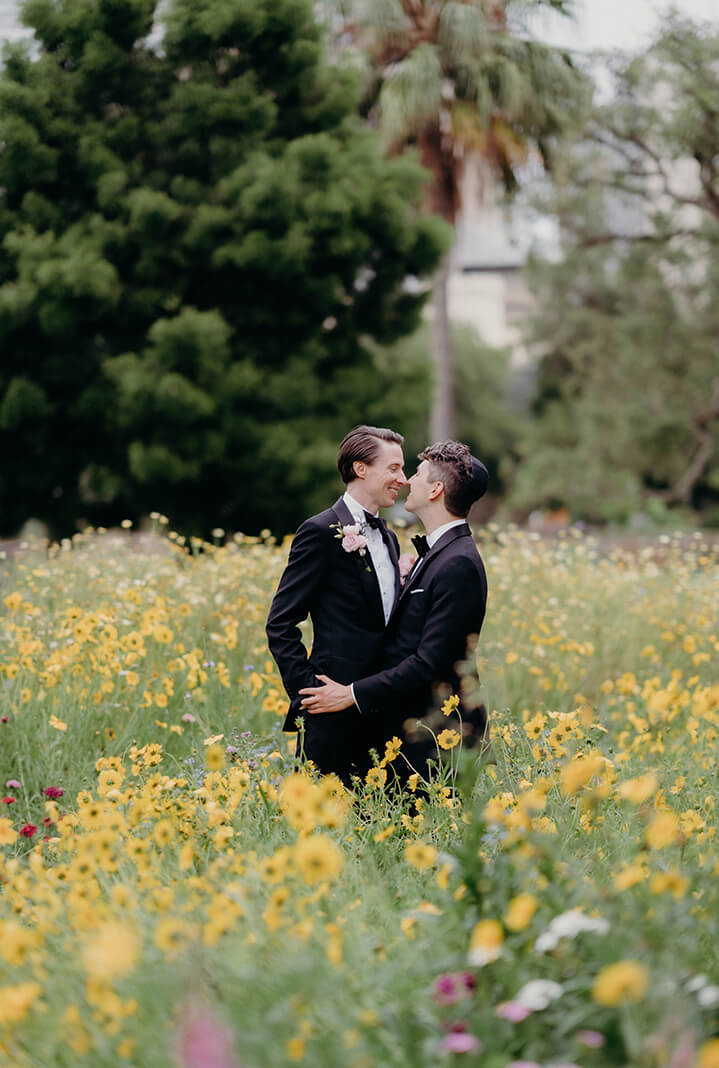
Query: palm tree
x=458, y=79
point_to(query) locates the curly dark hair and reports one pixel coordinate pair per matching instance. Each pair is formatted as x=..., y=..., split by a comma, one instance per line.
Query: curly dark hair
x=451, y=463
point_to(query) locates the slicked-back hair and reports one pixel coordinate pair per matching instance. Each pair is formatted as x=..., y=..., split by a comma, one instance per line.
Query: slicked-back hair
x=362, y=445
x=451, y=463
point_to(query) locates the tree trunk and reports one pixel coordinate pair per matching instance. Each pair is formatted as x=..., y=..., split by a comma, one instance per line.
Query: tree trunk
x=442, y=415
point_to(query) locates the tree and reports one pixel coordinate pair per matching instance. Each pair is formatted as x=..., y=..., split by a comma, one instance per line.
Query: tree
x=458, y=79
x=200, y=240
x=488, y=419
x=628, y=320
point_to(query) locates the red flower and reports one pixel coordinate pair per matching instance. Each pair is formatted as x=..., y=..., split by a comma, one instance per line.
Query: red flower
x=5, y=719
x=47, y=821
x=53, y=792
x=28, y=830
x=8, y=800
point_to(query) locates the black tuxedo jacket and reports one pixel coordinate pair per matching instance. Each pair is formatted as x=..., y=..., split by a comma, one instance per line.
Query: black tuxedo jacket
x=340, y=592
x=441, y=605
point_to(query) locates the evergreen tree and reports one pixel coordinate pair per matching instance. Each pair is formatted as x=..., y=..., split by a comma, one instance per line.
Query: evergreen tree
x=199, y=239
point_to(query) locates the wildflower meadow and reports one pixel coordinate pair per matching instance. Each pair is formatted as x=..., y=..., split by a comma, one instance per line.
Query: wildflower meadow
x=175, y=892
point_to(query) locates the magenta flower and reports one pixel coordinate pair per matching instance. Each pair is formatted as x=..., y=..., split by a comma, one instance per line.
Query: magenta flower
x=452, y=986
x=28, y=830
x=460, y=1042
x=53, y=792
x=512, y=1011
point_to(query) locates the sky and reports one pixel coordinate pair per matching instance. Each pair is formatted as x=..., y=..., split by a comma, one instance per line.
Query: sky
x=620, y=24
x=611, y=24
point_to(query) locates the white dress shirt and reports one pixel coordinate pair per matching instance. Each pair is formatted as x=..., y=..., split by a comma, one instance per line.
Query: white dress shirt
x=383, y=566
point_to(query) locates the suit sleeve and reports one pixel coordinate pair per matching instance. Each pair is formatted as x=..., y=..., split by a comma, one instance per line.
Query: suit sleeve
x=303, y=575
x=456, y=611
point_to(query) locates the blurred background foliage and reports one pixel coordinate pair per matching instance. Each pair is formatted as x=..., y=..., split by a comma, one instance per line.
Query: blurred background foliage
x=212, y=269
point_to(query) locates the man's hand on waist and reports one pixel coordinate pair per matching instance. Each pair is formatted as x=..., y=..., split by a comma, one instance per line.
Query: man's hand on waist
x=330, y=697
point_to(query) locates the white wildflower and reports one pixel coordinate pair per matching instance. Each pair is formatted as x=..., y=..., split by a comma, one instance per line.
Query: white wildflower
x=569, y=925
x=538, y=993
x=708, y=997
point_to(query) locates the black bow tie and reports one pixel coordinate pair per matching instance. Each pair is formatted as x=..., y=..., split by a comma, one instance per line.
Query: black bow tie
x=374, y=521
x=420, y=543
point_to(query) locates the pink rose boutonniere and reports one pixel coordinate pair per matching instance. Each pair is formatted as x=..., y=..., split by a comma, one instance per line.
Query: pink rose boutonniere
x=406, y=563
x=353, y=539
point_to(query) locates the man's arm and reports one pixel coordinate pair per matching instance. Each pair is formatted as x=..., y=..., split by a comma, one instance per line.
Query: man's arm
x=304, y=573
x=457, y=610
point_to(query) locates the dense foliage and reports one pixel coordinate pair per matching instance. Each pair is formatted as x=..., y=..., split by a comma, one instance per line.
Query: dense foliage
x=199, y=235
x=627, y=320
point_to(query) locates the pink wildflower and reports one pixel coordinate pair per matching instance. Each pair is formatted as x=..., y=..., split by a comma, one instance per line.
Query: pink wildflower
x=512, y=1011
x=205, y=1042
x=28, y=830
x=53, y=792
x=13, y=784
x=591, y=1039
x=460, y=1042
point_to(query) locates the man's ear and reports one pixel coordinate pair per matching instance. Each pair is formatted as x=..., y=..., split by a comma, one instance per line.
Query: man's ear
x=437, y=491
x=359, y=467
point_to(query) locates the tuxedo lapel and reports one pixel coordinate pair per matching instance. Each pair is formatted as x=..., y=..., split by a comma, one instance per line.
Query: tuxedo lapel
x=446, y=539
x=363, y=563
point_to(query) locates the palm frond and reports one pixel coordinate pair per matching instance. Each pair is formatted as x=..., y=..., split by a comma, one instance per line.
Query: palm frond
x=385, y=19
x=463, y=30
x=411, y=94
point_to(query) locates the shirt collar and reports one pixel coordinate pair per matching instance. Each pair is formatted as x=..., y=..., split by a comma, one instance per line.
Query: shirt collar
x=434, y=537
x=357, y=510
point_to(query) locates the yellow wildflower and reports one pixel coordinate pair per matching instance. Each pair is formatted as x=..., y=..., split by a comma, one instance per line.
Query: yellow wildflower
x=520, y=912
x=111, y=952
x=640, y=789
x=485, y=944
x=318, y=858
x=663, y=831
x=16, y=1001
x=448, y=739
x=420, y=855
x=620, y=983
